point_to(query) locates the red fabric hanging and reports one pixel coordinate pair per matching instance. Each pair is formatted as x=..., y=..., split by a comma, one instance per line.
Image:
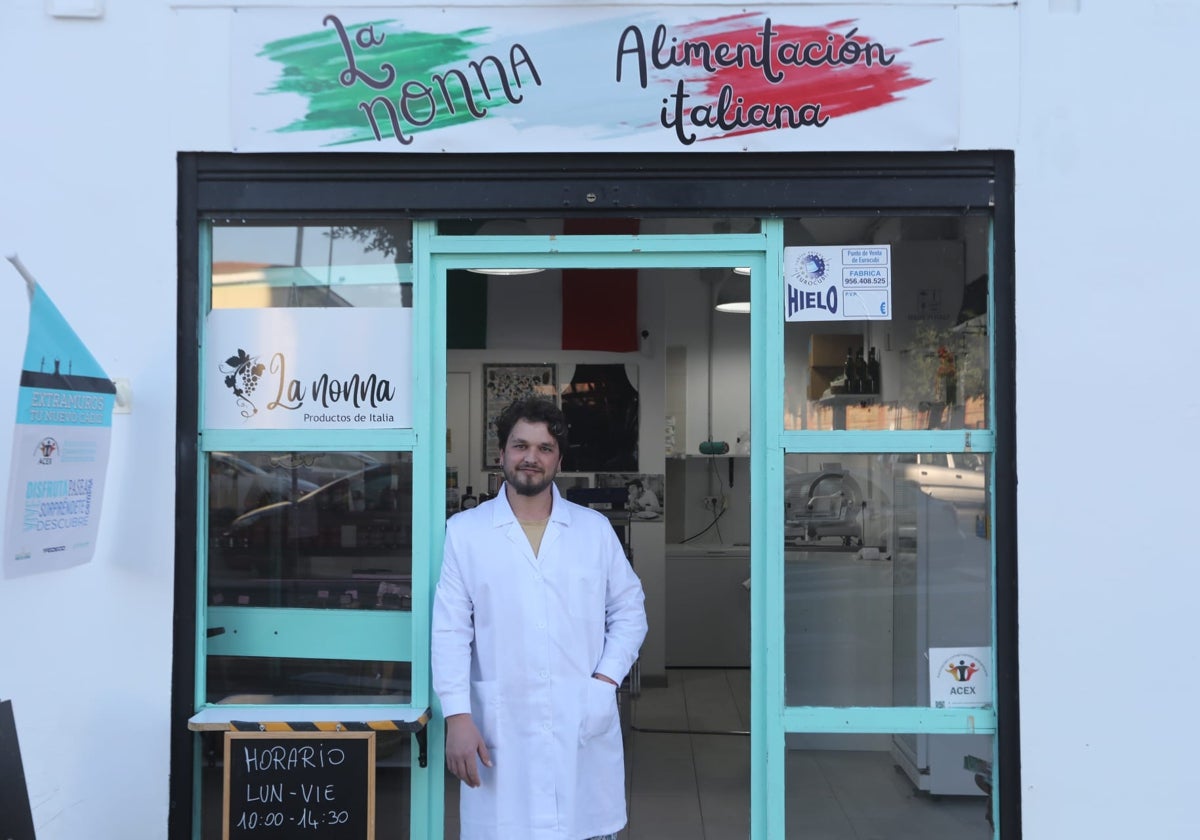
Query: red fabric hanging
x=599, y=310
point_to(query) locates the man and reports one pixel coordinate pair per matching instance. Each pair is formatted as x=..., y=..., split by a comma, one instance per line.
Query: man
x=536, y=620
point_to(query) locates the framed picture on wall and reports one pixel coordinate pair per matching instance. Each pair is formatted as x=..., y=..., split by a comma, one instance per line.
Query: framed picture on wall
x=501, y=385
x=645, y=493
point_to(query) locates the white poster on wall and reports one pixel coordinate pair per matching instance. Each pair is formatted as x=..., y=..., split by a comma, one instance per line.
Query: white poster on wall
x=960, y=678
x=308, y=368
x=838, y=283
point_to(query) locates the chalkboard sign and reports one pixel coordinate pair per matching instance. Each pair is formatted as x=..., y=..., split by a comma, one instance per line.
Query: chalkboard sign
x=16, y=819
x=299, y=784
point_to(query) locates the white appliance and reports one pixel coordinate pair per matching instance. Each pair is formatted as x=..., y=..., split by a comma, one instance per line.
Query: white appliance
x=941, y=596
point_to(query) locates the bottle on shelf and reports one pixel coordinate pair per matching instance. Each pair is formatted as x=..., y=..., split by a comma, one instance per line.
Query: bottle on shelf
x=851, y=371
x=860, y=373
x=873, y=372
x=452, y=506
x=469, y=499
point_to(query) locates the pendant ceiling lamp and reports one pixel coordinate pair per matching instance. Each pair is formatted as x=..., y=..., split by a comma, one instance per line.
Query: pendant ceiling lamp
x=734, y=295
x=505, y=272
x=505, y=227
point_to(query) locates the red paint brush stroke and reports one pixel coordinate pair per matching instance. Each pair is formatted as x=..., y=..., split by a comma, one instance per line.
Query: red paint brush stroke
x=838, y=90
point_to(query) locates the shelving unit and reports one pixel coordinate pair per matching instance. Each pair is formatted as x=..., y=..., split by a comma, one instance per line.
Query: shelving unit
x=826, y=362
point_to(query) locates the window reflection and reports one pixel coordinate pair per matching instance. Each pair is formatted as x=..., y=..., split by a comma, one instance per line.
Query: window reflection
x=309, y=529
x=886, y=557
x=366, y=264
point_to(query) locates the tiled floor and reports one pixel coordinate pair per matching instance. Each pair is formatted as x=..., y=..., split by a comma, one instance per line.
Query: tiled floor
x=694, y=786
x=689, y=778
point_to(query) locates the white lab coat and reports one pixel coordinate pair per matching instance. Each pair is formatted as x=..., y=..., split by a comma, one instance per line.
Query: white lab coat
x=515, y=641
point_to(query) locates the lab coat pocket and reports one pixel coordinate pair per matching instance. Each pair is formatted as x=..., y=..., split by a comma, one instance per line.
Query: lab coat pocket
x=587, y=596
x=599, y=710
x=486, y=707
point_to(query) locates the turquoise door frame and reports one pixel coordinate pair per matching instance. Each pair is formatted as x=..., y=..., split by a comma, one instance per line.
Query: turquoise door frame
x=434, y=255
x=771, y=719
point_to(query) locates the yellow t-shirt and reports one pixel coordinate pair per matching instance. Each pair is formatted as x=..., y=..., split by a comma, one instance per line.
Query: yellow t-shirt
x=534, y=531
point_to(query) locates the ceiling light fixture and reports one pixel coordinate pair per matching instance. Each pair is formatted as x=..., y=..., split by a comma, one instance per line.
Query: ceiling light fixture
x=734, y=295
x=505, y=272
x=505, y=228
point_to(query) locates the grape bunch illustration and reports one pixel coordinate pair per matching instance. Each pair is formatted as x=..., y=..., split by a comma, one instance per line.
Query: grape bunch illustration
x=242, y=373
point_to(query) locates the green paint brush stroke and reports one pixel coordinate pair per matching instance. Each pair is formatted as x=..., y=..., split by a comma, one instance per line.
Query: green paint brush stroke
x=312, y=63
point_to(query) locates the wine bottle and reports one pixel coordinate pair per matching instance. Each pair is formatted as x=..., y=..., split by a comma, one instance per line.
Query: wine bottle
x=860, y=371
x=873, y=372
x=468, y=500
x=852, y=385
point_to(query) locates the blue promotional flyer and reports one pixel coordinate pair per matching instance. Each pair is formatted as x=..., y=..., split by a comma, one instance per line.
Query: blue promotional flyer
x=60, y=447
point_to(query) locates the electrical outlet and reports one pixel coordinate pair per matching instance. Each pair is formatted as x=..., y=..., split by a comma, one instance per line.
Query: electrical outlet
x=710, y=502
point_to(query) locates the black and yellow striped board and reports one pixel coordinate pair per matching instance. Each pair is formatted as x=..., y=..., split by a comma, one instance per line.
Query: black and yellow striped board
x=416, y=727
x=331, y=726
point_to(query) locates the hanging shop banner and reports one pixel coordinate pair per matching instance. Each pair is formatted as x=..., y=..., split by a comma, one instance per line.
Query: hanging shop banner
x=607, y=78
x=60, y=447
x=838, y=283
x=959, y=678
x=308, y=368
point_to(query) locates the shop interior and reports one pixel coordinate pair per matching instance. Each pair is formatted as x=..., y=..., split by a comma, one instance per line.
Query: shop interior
x=887, y=555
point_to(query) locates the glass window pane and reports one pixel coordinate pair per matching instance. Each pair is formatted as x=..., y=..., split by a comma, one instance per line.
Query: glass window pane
x=268, y=679
x=310, y=529
x=928, y=365
x=885, y=559
x=889, y=786
x=367, y=263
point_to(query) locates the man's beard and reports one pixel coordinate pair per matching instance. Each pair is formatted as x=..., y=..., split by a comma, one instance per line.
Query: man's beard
x=525, y=483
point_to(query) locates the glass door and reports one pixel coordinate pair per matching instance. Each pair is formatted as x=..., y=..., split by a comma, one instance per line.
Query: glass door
x=881, y=617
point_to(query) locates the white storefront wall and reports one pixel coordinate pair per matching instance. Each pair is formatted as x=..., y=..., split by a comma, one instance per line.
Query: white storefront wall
x=1093, y=98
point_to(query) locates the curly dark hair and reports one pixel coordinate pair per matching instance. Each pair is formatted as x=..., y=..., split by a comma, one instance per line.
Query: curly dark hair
x=533, y=410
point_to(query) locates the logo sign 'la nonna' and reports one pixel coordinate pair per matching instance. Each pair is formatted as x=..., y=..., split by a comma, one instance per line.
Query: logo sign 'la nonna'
x=293, y=376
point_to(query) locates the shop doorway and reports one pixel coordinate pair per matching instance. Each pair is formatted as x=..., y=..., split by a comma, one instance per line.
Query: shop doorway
x=639, y=406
